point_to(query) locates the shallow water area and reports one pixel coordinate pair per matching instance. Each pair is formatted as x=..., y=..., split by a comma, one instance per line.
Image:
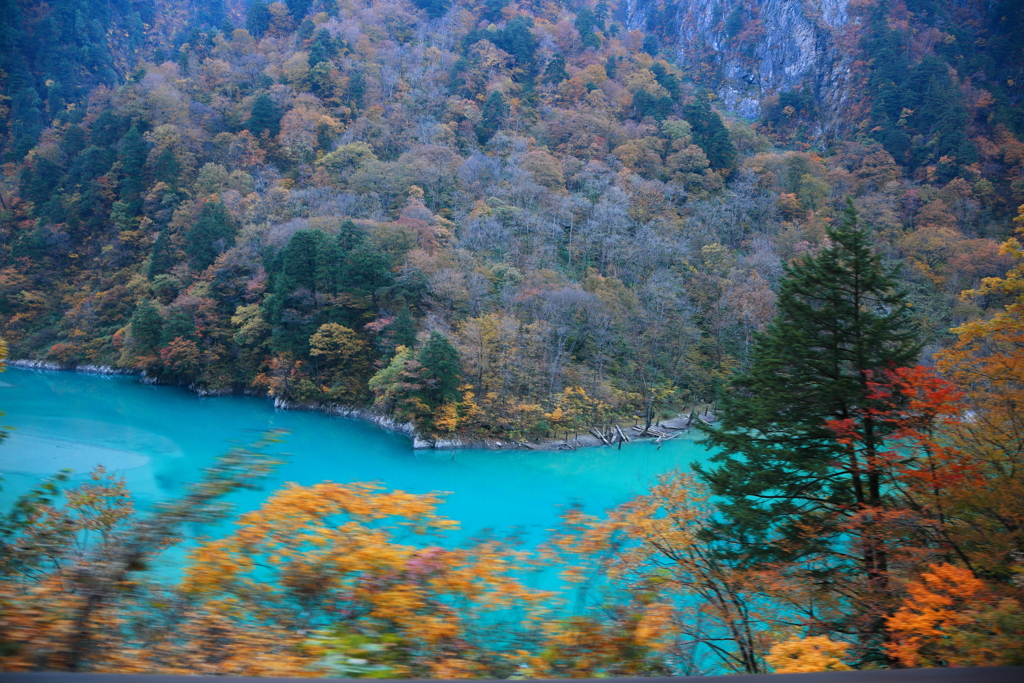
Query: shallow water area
x=159, y=438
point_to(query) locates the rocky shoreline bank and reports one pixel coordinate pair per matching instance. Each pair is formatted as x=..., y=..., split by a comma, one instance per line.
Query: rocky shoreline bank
x=665, y=430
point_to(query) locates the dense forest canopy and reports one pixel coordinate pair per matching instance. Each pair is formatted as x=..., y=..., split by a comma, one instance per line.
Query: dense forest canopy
x=294, y=197
x=299, y=197
x=519, y=219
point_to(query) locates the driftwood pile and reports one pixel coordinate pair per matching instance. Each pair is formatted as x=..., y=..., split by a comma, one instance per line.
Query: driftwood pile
x=613, y=434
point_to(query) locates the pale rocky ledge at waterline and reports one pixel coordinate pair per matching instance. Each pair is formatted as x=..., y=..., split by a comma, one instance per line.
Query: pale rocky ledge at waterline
x=588, y=437
x=799, y=45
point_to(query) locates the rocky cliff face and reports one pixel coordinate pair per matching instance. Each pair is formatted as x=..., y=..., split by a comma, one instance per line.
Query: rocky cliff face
x=747, y=50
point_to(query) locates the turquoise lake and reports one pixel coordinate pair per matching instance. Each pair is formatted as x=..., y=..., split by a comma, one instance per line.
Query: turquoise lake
x=158, y=439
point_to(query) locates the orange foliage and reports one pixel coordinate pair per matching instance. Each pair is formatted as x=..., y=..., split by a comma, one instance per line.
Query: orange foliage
x=331, y=551
x=950, y=618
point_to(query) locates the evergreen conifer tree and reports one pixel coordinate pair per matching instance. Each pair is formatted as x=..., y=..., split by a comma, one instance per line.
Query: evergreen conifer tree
x=147, y=328
x=788, y=489
x=132, y=156
x=258, y=20
x=179, y=324
x=264, y=117
x=162, y=260
x=433, y=8
x=167, y=169
x=357, y=88
x=711, y=135
x=211, y=235
x=404, y=328
x=555, y=71
x=493, y=115
x=441, y=371
x=349, y=236
x=310, y=260
x=322, y=48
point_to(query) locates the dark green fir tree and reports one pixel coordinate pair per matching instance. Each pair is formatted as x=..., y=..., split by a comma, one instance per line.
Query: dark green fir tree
x=265, y=118
x=555, y=71
x=433, y=8
x=147, y=328
x=162, y=259
x=403, y=328
x=441, y=370
x=132, y=156
x=212, y=234
x=711, y=135
x=309, y=261
x=787, y=489
x=167, y=169
x=494, y=112
x=258, y=20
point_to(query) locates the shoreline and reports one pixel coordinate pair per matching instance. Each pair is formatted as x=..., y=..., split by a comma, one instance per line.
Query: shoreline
x=665, y=430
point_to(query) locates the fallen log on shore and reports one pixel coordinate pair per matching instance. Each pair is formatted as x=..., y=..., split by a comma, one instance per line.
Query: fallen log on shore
x=599, y=435
x=621, y=435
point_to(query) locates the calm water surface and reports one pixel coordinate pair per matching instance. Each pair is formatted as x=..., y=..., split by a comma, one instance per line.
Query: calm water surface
x=158, y=439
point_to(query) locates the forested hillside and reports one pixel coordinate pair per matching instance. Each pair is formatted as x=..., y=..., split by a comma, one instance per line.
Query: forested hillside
x=502, y=218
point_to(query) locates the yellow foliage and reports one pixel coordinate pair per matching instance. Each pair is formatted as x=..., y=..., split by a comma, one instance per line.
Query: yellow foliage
x=655, y=626
x=335, y=547
x=804, y=655
x=446, y=418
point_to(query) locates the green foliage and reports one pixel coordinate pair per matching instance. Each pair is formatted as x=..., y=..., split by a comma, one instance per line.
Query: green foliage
x=132, y=157
x=666, y=79
x=918, y=110
x=147, y=328
x=840, y=319
x=212, y=234
x=441, y=370
x=516, y=38
x=645, y=104
x=403, y=328
x=366, y=270
x=555, y=71
x=322, y=49
x=167, y=169
x=711, y=135
x=433, y=8
x=265, y=118
x=309, y=261
x=357, y=88
x=495, y=111
x=386, y=383
x=257, y=21
x=161, y=259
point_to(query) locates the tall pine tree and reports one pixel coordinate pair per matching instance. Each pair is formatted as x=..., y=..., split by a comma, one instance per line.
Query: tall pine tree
x=788, y=490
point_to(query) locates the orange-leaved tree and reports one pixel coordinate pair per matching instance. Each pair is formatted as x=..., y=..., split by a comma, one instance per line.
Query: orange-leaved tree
x=351, y=560
x=951, y=618
x=920, y=464
x=72, y=581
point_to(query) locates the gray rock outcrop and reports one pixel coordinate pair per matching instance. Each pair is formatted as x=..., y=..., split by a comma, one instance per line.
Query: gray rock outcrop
x=781, y=45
